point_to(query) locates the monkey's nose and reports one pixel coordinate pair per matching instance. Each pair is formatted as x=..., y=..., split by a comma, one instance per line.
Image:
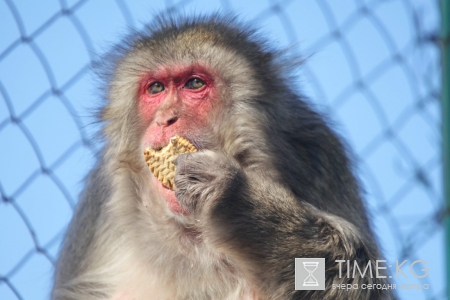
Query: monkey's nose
x=168, y=122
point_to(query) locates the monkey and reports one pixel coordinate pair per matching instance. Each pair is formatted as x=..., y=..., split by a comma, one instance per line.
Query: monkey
x=271, y=180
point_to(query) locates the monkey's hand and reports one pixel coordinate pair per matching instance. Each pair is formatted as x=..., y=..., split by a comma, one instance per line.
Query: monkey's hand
x=204, y=177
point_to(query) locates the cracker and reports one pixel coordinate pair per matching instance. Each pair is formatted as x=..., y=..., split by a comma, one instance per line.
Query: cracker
x=160, y=162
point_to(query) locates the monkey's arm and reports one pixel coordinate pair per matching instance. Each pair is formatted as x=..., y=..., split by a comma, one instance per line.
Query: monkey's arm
x=261, y=226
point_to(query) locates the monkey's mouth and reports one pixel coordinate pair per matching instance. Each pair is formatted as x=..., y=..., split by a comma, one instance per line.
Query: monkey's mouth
x=160, y=161
x=169, y=197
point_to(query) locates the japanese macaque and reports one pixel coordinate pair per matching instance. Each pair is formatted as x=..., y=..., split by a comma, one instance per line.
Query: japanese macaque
x=269, y=182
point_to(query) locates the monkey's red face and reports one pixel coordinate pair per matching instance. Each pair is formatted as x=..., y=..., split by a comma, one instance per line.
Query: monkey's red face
x=175, y=100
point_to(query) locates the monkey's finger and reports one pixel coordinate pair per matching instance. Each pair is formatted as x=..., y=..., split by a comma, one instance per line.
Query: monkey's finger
x=182, y=158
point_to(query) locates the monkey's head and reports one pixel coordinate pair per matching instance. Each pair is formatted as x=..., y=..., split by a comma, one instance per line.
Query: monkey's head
x=202, y=80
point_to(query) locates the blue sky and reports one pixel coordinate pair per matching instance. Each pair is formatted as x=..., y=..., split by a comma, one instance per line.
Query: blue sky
x=369, y=67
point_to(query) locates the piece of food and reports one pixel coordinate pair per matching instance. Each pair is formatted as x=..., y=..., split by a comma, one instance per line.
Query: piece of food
x=160, y=162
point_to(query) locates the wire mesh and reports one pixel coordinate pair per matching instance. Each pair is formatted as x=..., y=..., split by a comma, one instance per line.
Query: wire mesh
x=373, y=67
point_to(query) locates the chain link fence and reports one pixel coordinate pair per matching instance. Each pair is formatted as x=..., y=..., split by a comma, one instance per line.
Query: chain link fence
x=372, y=66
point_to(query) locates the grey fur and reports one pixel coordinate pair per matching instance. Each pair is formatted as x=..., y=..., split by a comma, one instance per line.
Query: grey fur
x=270, y=183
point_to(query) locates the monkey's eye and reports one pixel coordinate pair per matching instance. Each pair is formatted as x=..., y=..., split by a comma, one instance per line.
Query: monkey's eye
x=194, y=83
x=155, y=88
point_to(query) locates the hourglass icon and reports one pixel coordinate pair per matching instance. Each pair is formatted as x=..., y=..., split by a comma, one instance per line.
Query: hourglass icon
x=310, y=280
